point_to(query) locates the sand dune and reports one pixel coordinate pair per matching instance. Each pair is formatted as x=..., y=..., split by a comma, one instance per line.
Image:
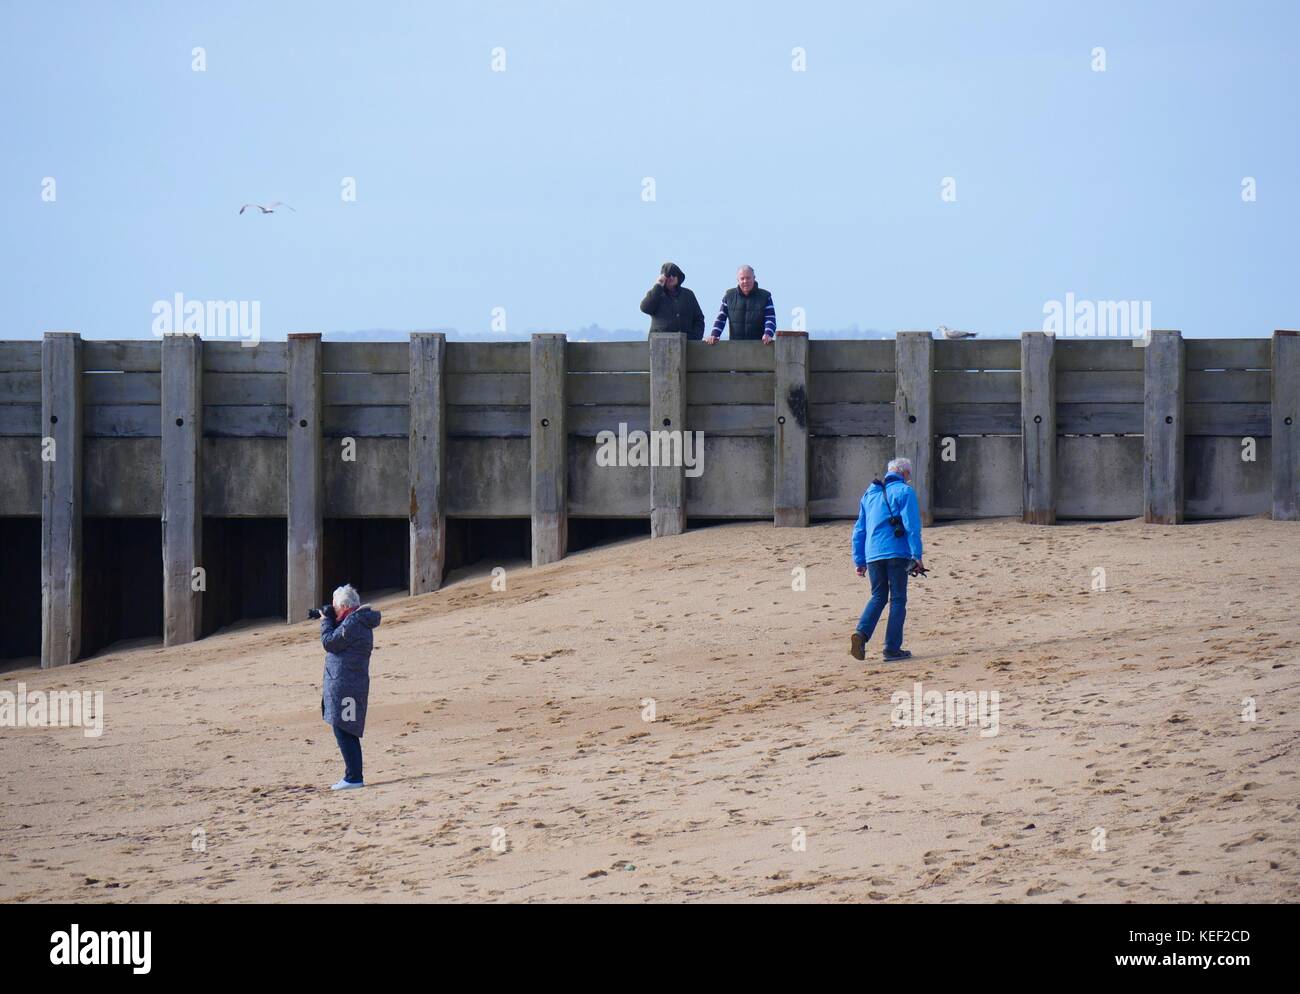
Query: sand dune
x=521, y=711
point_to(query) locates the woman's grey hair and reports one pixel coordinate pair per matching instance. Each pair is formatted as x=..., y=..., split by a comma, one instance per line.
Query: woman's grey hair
x=347, y=596
x=899, y=465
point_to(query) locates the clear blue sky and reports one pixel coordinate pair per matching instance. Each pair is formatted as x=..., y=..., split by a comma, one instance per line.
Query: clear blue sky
x=522, y=189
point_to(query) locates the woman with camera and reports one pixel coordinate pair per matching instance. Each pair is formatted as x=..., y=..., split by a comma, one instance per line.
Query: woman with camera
x=347, y=633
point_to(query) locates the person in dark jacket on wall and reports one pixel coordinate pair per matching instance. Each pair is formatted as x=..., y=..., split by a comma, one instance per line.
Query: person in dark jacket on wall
x=671, y=306
x=749, y=309
x=347, y=633
x=887, y=547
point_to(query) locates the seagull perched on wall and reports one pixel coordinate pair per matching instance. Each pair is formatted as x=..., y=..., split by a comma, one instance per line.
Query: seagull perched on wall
x=268, y=209
x=948, y=333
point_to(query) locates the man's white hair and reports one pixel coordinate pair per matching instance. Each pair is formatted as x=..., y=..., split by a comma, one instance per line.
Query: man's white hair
x=347, y=596
x=745, y=269
x=899, y=464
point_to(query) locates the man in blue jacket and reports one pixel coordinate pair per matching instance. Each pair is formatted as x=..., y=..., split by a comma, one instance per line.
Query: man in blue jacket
x=887, y=547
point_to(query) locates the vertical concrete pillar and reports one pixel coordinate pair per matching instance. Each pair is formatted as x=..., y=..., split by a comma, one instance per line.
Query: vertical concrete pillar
x=1162, y=433
x=1038, y=426
x=426, y=458
x=306, y=543
x=790, y=476
x=1286, y=425
x=60, y=498
x=913, y=406
x=667, y=413
x=182, y=496
x=549, y=448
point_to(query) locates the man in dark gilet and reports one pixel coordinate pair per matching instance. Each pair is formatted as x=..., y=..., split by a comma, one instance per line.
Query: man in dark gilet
x=748, y=307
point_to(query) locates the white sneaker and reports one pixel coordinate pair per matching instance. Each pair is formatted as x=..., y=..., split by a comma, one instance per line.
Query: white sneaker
x=345, y=785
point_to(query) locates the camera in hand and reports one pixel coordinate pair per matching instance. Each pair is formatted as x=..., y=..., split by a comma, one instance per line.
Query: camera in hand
x=317, y=612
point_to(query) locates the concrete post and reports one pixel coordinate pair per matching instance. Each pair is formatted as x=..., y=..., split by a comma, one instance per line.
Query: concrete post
x=549, y=448
x=667, y=413
x=303, y=395
x=1286, y=425
x=61, y=562
x=913, y=404
x=1038, y=426
x=790, y=475
x=182, y=480
x=1162, y=441
x=427, y=453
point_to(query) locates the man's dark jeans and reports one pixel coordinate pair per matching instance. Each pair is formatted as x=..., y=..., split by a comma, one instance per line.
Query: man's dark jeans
x=888, y=583
x=350, y=746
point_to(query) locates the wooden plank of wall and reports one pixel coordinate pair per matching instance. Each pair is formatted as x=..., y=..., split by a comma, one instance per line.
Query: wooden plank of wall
x=366, y=389
x=505, y=389
x=607, y=388
x=124, y=356
x=1228, y=419
x=1103, y=386
x=487, y=422
x=977, y=419
x=850, y=356
x=851, y=388
x=122, y=388
x=20, y=388
x=247, y=421
x=20, y=419
x=730, y=419
x=365, y=357
x=1228, y=386
x=231, y=357
x=123, y=421
x=589, y=421
x=608, y=357
x=1227, y=353
x=1099, y=419
x=729, y=388
x=740, y=356
x=487, y=357
x=851, y=419
x=366, y=422
x=991, y=387
x=971, y=354
x=20, y=357
x=1077, y=354
x=243, y=389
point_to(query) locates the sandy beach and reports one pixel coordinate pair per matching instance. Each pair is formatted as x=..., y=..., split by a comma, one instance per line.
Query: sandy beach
x=508, y=757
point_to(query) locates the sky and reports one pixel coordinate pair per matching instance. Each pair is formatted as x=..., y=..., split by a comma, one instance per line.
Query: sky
x=502, y=156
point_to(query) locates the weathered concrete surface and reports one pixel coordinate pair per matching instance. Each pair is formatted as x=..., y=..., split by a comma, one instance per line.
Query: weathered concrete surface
x=244, y=477
x=20, y=483
x=1098, y=476
x=1038, y=427
x=182, y=478
x=913, y=413
x=606, y=491
x=306, y=490
x=548, y=462
x=1219, y=483
x=841, y=469
x=1163, y=397
x=1285, y=410
x=737, y=478
x=984, y=480
x=426, y=461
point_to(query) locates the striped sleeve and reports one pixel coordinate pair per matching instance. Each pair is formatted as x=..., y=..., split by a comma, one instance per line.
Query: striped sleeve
x=720, y=323
x=769, y=318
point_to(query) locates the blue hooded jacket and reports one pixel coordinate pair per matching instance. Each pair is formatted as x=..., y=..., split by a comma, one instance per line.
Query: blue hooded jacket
x=346, y=693
x=873, y=535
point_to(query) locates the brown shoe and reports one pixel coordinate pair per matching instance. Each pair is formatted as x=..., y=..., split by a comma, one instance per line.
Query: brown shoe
x=857, y=646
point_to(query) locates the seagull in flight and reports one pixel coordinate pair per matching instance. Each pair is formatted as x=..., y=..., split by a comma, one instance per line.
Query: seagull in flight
x=952, y=335
x=268, y=209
